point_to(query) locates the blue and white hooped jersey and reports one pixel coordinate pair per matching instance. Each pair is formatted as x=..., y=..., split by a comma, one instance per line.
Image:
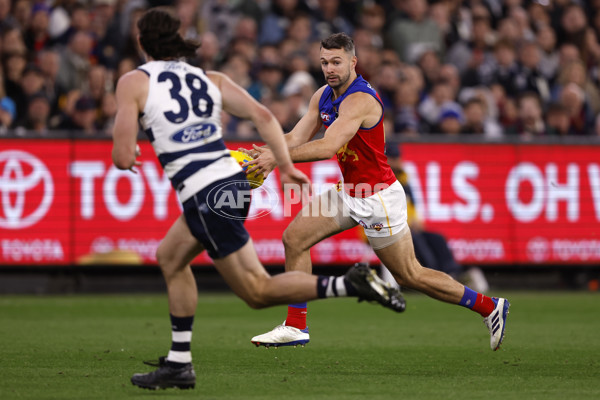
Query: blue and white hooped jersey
x=182, y=119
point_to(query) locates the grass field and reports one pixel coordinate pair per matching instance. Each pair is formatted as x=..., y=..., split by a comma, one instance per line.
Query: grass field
x=87, y=347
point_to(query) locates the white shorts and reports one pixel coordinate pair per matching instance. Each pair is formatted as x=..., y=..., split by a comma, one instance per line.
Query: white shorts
x=382, y=214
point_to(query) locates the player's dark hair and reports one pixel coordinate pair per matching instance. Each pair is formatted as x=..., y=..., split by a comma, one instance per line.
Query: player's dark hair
x=160, y=38
x=338, y=41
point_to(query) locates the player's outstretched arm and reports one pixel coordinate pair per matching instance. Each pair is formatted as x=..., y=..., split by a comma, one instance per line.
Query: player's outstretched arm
x=353, y=112
x=238, y=102
x=303, y=132
x=132, y=88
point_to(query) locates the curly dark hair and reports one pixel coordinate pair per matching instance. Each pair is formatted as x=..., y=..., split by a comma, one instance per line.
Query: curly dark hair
x=160, y=38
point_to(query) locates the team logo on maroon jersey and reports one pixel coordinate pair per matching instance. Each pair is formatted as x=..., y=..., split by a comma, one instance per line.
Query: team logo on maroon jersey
x=325, y=117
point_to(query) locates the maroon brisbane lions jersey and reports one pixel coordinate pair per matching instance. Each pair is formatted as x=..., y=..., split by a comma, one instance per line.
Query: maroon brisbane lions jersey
x=362, y=160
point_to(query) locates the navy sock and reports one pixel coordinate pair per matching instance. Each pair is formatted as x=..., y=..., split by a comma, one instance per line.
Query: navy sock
x=335, y=286
x=180, y=353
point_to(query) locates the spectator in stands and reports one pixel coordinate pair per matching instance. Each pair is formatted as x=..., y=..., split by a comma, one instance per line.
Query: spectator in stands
x=372, y=20
x=269, y=83
x=49, y=63
x=276, y=22
x=83, y=117
x=297, y=62
x=105, y=27
x=572, y=97
x=6, y=18
x=32, y=82
x=297, y=91
x=517, y=45
x=573, y=27
x=300, y=32
x=209, y=52
x=471, y=58
x=78, y=21
x=507, y=30
x=237, y=67
x=530, y=123
x=7, y=113
x=97, y=82
x=386, y=81
x=108, y=111
x=538, y=14
x=75, y=62
x=242, y=47
x=450, y=120
x=282, y=112
x=506, y=68
x=21, y=12
x=14, y=65
x=558, y=122
x=129, y=46
x=370, y=60
x=406, y=117
x=477, y=120
x=439, y=12
x=430, y=65
x=246, y=28
x=36, y=36
x=575, y=72
x=548, y=65
x=187, y=12
x=520, y=17
x=430, y=108
x=12, y=41
x=414, y=32
x=568, y=53
x=450, y=74
x=529, y=78
x=37, y=116
x=7, y=107
x=328, y=19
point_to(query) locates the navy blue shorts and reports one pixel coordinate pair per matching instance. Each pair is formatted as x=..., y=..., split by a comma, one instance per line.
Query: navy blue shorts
x=216, y=215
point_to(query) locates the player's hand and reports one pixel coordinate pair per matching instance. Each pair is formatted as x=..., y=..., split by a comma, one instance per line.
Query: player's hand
x=264, y=162
x=136, y=163
x=249, y=152
x=294, y=179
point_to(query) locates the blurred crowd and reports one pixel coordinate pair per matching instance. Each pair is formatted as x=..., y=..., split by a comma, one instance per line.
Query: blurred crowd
x=493, y=68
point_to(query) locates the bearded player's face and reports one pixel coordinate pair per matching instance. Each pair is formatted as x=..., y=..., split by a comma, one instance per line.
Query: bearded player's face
x=337, y=66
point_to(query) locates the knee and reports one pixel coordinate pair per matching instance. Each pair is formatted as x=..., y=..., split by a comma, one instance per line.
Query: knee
x=165, y=262
x=161, y=256
x=255, y=297
x=290, y=240
x=255, y=303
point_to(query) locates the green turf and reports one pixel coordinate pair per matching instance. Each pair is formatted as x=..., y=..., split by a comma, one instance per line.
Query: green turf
x=86, y=347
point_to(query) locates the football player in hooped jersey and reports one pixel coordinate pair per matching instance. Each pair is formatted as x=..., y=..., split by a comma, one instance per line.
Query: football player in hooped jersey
x=179, y=108
x=370, y=195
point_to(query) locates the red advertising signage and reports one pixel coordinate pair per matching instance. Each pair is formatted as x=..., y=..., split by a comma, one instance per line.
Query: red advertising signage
x=63, y=202
x=510, y=203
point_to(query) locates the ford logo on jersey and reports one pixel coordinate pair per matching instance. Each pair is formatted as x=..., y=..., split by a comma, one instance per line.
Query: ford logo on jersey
x=194, y=133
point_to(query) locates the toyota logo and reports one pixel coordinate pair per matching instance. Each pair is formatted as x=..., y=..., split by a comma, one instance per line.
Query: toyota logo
x=538, y=249
x=22, y=172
